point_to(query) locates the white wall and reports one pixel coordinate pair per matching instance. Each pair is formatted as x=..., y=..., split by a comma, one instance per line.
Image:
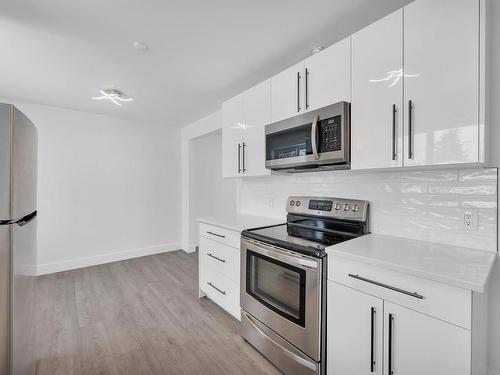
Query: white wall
x=108, y=188
x=209, y=192
x=197, y=129
x=493, y=122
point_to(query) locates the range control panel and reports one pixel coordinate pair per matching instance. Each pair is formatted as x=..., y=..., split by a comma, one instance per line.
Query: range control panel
x=350, y=209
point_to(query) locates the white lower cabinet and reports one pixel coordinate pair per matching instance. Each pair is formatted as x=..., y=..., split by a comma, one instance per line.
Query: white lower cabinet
x=219, y=267
x=388, y=323
x=416, y=344
x=355, y=331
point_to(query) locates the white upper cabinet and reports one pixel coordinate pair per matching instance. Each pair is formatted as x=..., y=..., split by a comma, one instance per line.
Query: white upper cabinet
x=256, y=115
x=441, y=55
x=437, y=118
x=232, y=120
x=244, y=118
x=377, y=94
x=417, y=344
x=327, y=76
x=287, y=88
x=316, y=82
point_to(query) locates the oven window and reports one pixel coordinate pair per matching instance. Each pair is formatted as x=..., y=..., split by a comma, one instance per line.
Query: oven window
x=277, y=285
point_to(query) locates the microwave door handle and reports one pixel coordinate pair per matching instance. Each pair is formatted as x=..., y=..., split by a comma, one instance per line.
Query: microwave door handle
x=314, y=137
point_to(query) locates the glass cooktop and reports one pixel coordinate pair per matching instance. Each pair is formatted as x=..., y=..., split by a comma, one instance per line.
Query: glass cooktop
x=302, y=239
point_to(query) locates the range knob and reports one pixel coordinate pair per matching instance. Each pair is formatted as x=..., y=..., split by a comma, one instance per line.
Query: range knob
x=298, y=203
x=347, y=207
x=355, y=208
x=292, y=203
x=338, y=206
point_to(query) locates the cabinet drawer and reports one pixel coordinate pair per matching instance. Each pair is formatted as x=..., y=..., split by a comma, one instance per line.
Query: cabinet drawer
x=221, y=290
x=219, y=234
x=220, y=257
x=442, y=301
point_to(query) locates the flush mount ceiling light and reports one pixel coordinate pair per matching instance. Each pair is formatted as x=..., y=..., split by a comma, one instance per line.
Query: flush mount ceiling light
x=140, y=46
x=317, y=49
x=113, y=95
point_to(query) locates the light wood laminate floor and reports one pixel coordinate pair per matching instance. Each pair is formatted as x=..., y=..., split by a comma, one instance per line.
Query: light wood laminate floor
x=139, y=316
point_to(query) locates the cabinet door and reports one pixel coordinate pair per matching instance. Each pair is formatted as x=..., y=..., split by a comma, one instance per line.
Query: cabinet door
x=355, y=334
x=377, y=94
x=441, y=55
x=287, y=93
x=327, y=76
x=232, y=124
x=256, y=114
x=417, y=344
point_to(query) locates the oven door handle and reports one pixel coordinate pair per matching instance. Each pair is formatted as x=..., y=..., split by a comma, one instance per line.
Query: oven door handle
x=314, y=137
x=279, y=254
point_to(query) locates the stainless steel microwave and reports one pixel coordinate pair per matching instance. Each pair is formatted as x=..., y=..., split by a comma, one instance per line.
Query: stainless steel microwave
x=312, y=141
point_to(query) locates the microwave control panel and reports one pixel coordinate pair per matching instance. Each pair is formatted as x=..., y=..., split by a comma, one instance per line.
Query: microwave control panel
x=331, y=134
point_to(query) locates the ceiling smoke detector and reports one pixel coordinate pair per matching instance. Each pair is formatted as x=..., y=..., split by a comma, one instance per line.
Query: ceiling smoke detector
x=317, y=49
x=116, y=96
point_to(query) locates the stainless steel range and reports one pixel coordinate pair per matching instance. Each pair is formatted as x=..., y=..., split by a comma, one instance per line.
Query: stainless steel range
x=283, y=280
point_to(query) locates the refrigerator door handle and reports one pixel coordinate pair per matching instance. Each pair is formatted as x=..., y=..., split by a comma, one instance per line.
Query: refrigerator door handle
x=26, y=219
x=7, y=222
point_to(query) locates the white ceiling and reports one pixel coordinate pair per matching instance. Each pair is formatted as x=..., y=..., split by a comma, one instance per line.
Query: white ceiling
x=61, y=52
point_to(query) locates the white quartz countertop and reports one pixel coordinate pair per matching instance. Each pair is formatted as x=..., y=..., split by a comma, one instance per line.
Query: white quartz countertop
x=239, y=222
x=454, y=265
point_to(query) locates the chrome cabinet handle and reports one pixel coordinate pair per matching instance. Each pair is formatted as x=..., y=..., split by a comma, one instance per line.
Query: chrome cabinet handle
x=239, y=158
x=394, y=110
x=298, y=91
x=243, y=157
x=411, y=294
x=372, y=344
x=217, y=289
x=314, y=137
x=215, y=234
x=307, y=88
x=391, y=328
x=217, y=258
x=410, y=129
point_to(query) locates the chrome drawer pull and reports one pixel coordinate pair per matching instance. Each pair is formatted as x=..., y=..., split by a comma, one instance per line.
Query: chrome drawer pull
x=217, y=289
x=215, y=234
x=411, y=294
x=217, y=258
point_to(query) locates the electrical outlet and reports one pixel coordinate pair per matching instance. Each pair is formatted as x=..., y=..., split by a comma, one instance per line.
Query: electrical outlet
x=470, y=220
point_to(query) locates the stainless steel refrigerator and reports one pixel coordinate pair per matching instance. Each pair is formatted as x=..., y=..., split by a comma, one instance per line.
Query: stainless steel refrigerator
x=18, y=179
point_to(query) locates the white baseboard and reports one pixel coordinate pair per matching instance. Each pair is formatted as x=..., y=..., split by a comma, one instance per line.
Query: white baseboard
x=189, y=248
x=47, y=268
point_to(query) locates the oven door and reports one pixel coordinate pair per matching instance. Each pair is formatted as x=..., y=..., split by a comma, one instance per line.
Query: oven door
x=282, y=289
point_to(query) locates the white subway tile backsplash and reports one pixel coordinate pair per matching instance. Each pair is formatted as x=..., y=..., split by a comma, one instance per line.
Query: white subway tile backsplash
x=413, y=188
x=443, y=200
x=480, y=202
x=489, y=174
x=419, y=204
x=429, y=176
x=479, y=188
